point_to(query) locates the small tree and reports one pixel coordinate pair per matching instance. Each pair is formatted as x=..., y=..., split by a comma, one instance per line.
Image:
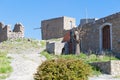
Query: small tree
x=78, y=37
x=77, y=41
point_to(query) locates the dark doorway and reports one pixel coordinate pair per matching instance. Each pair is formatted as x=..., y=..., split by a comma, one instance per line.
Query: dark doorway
x=106, y=42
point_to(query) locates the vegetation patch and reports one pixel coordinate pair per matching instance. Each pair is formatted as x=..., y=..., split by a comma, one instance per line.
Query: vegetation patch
x=86, y=58
x=15, y=46
x=82, y=56
x=118, y=76
x=18, y=45
x=63, y=69
x=5, y=67
x=43, y=43
x=47, y=55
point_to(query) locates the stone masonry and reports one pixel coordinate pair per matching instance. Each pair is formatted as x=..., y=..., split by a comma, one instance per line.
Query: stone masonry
x=99, y=34
x=110, y=67
x=93, y=37
x=6, y=33
x=55, y=47
x=56, y=27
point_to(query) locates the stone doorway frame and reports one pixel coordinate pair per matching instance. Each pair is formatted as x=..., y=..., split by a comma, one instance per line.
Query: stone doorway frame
x=100, y=36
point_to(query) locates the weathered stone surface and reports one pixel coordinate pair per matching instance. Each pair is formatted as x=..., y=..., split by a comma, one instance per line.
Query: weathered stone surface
x=18, y=28
x=1, y=26
x=103, y=66
x=54, y=47
x=56, y=27
x=6, y=32
x=91, y=39
x=111, y=67
x=50, y=47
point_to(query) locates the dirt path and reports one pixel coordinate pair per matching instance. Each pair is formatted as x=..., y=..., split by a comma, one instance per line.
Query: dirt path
x=104, y=77
x=25, y=64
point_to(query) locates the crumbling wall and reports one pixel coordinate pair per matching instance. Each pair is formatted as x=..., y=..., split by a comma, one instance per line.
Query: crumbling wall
x=18, y=32
x=3, y=32
x=1, y=26
x=6, y=32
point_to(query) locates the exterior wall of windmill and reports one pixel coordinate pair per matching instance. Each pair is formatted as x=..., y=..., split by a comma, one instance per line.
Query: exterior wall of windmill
x=56, y=27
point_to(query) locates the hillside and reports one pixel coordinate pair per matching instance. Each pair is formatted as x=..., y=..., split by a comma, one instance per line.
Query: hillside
x=18, y=45
x=20, y=58
x=24, y=57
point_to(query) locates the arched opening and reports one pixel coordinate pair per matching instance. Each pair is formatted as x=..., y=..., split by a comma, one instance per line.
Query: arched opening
x=105, y=37
x=106, y=42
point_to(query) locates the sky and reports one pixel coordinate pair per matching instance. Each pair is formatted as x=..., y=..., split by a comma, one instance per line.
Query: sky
x=31, y=12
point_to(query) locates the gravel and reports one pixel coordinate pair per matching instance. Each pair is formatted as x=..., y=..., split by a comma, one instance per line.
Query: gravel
x=25, y=64
x=104, y=77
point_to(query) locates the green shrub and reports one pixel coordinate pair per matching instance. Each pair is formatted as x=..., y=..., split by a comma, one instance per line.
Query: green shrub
x=47, y=55
x=83, y=56
x=63, y=69
x=43, y=43
x=4, y=63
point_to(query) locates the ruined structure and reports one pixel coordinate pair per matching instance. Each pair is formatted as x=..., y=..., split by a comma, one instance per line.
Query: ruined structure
x=56, y=27
x=100, y=35
x=6, y=33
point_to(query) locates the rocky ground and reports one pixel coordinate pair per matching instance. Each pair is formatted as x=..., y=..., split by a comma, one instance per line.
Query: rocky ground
x=25, y=64
x=26, y=58
x=105, y=77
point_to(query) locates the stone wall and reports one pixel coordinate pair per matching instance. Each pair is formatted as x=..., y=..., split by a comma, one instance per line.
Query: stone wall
x=105, y=67
x=91, y=38
x=6, y=33
x=58, y=48
x=68, y=23
x=18, y=32
x=54, y=47
x=3, y=33
x=110, y=67
x=88, y=20
x=50, y=47
x=56, y=27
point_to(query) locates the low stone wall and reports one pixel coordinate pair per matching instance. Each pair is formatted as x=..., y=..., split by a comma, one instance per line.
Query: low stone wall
x=115, y=67
x=110, y=67
x=50, y=47
x=54, y=47
x=58, y=48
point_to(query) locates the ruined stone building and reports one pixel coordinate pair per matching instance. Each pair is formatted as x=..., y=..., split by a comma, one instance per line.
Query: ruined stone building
x=6, y=33
x=100, y=35
x=56, y=27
